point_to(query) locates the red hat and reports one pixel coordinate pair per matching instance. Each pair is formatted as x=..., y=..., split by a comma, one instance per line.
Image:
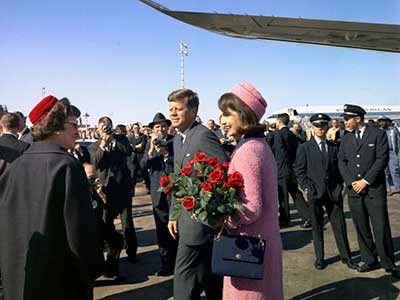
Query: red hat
x=42, y=108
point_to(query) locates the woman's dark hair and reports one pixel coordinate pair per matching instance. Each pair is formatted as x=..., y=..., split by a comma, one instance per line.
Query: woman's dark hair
x=53, y=121
x=249, y=124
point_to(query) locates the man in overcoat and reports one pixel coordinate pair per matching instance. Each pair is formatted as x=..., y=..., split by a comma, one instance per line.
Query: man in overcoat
x=193, y=261
x=363, y=157
x=317, y=172
x=109, y=158
x=159, y=159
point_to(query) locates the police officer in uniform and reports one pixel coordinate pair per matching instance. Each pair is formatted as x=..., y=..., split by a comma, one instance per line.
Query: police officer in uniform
x=317, y=172
x=363, y=157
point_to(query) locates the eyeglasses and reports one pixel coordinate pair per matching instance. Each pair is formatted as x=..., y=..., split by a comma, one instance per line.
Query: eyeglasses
x=72, y=122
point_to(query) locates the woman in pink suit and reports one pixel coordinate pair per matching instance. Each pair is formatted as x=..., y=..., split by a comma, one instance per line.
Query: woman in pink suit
x=242, y=109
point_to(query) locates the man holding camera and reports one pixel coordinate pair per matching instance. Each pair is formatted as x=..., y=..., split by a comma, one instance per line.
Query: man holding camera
x=159, y=159
x=109, y=158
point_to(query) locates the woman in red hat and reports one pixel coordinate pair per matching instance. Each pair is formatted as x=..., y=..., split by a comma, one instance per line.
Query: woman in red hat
x=49, y=246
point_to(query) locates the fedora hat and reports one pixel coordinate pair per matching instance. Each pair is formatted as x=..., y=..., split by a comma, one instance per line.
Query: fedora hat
x=158, y=118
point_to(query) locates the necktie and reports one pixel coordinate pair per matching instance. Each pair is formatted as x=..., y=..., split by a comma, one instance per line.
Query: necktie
x=358, y=136
x=323, y=150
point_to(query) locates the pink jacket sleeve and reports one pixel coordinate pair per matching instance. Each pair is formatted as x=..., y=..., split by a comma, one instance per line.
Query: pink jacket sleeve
x=250, y=165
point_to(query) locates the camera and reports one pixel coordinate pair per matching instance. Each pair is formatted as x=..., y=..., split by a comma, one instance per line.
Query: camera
x=160, y=142
x=92, y=181
x=107, y=129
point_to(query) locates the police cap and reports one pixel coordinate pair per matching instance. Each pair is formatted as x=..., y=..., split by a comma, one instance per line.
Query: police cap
x=353, y=110
x=319, y=119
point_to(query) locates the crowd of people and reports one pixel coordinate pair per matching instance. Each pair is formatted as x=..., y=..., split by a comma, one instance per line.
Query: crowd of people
x=62, y=195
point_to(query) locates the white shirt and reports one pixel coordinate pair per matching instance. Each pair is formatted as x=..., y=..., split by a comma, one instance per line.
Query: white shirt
x=319, y=142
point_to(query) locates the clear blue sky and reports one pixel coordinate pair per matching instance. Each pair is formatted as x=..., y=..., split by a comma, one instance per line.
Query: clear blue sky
x=120, y=58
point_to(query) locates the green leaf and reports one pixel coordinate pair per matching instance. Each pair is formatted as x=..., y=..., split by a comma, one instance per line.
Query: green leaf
x=202, y=216
x=238, y=206
x=221, y=208
x=181, y=194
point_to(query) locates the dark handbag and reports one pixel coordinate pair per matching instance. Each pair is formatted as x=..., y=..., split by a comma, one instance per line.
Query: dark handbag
x=238, y=256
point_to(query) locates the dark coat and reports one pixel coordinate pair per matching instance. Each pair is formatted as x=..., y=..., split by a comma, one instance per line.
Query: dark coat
x=227, y=145
x=112, y=170
x=49, y=246
x=158, y=168
x=317, y=174
x=284, y=148
x=367, y=160
x=11, y=148
x=26, y=136
x=198, y=139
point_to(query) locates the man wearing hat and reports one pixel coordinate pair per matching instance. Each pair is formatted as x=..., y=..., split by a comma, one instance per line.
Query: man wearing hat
x=159, y=159
x=393, y=169
x=363, y=157
x=317, y=172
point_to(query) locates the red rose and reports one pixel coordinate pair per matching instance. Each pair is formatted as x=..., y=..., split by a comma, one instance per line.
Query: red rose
x=164, y=181
x=188, y=203
x=168, y=190
x=190, y=163
x=200, y=157
x=223, y=166
x=216, y=176
x=235, y=180
x=212, y=161
x=206, y=186
x=187, y=171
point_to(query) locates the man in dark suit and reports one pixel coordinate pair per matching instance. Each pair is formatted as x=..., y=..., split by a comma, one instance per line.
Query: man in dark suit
x=109, y=158
x=284, y=147
x=228, y=142
x=317, y=172
x=138, y=140
x=193, y=260
x=159, y=159
x=363, y=157
x=24, y=133
x=12, y=148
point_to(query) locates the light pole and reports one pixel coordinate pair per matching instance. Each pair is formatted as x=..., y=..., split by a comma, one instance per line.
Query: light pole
x=183, y=51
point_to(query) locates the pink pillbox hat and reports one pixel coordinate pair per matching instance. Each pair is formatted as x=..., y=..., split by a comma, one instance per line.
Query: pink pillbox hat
x=253, y=99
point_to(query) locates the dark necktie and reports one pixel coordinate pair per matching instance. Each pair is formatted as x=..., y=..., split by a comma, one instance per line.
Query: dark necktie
x=358, y=136
x=323, y=150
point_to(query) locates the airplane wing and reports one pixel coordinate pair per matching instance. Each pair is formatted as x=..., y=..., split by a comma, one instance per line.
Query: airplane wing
x=370, y=36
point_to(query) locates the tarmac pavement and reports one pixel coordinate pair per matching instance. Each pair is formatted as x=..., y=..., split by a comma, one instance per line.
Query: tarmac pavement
x=301, y=280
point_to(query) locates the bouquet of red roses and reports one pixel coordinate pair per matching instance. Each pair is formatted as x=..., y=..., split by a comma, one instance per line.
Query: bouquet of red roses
x=204, y=188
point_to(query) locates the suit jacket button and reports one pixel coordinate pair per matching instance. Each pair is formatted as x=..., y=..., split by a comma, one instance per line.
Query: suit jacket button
x=358, y=155
x=359, y=175
x=358, y=165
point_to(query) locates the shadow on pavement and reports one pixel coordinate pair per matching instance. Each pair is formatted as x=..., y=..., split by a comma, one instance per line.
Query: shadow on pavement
x=146, y=237
x=147, y=265
x=358, y=288
x=159, y=291
x=292, y=240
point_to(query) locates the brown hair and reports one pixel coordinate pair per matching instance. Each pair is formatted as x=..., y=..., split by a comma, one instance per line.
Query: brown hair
x=105, y=120
x=190, y=97
x=53, y=121
x=10, y=121
x=249, y=124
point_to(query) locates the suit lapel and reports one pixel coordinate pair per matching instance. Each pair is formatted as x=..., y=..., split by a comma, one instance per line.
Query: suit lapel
x=364, y=137
x=317, y=150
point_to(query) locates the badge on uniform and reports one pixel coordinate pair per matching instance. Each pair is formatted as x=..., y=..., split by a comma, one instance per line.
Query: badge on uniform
x=371, y=145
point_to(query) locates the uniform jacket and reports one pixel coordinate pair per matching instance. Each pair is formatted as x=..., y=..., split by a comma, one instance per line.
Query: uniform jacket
x=367, y=160
x=11, y=147
x=285, y=147
x=198, y=139
x=317, y=174
x=49, y=246
x=159, y=167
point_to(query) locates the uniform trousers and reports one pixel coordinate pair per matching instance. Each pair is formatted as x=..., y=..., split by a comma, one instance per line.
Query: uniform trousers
x=288, y=185
x=364, y=208
x=336, y=217
x=193, y=275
